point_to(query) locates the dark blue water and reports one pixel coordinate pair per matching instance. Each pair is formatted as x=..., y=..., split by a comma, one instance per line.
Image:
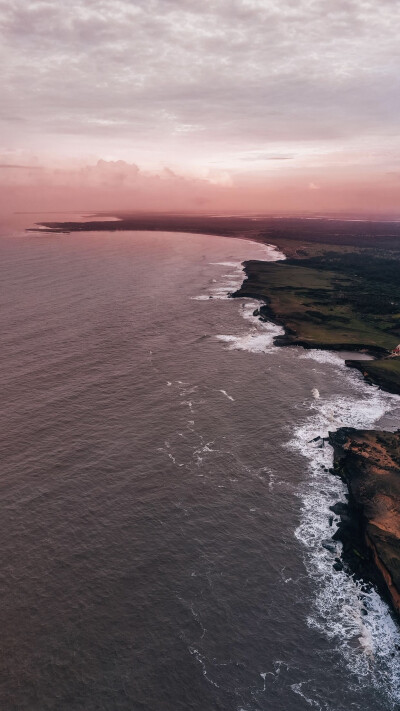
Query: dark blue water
x=161, y=511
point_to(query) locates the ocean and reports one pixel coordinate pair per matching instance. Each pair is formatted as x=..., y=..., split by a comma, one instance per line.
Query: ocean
x=163, y=507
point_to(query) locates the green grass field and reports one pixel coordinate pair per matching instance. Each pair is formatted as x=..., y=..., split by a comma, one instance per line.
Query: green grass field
x=320, y=307
x=335, y=300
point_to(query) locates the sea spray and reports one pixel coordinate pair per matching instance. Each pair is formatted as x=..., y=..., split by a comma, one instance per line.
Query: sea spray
x=229, y=283
x=348, y=612
x=345, y=610
x=260, y=338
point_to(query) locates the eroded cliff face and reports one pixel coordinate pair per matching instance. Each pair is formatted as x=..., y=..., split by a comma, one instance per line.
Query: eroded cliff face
x=369, y=463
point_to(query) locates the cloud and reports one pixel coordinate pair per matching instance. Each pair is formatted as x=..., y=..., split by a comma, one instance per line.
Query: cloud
x=104, y=185
x=179, y=77
x=268, y=156
x=123, y=186
x=15, y=166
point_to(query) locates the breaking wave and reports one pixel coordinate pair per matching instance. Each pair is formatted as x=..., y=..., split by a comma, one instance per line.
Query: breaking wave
x=356, y=619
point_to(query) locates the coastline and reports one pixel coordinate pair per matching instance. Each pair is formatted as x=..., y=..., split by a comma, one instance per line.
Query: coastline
x=296, y=236
x=366, y=553
x=305, y=242
x=298, y=247
x=302, y=301
x=375, y=375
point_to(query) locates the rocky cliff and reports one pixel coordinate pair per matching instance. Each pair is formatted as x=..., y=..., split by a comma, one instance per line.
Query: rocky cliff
x=368, y=461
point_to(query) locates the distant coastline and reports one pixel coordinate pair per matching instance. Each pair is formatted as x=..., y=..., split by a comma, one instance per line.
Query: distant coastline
x=292, y=234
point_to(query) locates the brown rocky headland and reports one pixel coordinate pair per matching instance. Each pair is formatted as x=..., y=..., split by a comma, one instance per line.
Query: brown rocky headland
x=368, y=461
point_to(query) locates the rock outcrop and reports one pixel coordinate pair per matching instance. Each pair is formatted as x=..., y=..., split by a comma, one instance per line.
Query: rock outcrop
x=368, y=461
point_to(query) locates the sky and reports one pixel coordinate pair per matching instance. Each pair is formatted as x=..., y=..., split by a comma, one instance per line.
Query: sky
x=249, y=105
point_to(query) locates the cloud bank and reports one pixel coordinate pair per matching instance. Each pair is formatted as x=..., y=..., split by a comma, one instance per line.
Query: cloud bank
x=227, y=87
x=118, y=185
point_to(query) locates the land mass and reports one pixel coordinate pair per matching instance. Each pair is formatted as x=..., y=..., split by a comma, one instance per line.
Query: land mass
x=336, y=301
x=295, y=236
x=337, y=290
x=368, y=462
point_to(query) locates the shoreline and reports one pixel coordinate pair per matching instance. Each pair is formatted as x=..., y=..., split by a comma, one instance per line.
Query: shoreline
x=368, y=565
x=293, y=235
x=361, y=555
x=298, y=238
x=260, y=283
x=289, y=339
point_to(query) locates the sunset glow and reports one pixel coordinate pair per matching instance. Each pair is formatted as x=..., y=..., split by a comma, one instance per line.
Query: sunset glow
x=248, y=105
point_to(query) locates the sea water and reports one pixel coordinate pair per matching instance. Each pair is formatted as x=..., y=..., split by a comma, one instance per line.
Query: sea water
x=163, y=505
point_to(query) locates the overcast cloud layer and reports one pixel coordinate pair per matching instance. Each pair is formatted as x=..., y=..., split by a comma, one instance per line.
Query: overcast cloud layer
x=219, y=88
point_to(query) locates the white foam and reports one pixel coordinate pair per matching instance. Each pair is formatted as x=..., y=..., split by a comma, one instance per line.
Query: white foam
x=226, y=395
x=255, y=341
x=232, y=282
x=273, y=254
x=238, y=265
x=359, y=622
x=269, y=252
x=229, y=283
x=248, y=308
x=226, y=285
x=296, y=688
x=260, y=338
x=323, y=357
x=202, y=661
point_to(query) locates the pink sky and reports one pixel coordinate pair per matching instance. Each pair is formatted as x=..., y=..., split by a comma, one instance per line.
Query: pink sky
x=254, y=105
